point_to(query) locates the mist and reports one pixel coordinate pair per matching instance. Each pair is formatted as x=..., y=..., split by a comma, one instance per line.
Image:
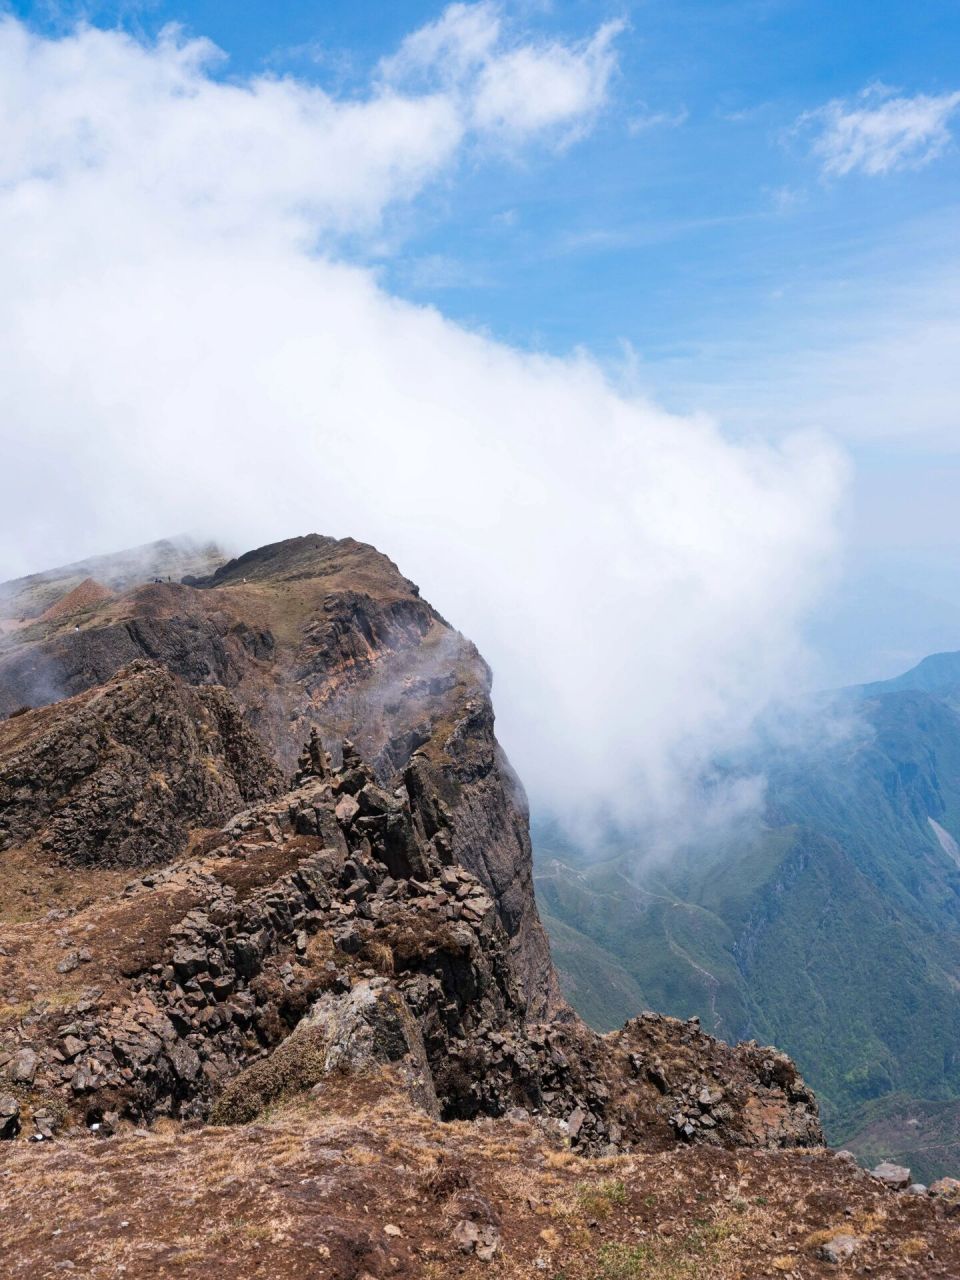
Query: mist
x=196, y=341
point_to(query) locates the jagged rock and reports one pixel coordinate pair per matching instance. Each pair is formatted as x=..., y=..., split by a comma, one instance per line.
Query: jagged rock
x=109, y=1123
x=575, y=1123
x=313, y=761
x=319, y=657
x=353, y=1032
x=106, y=780
x=376, y=916
x=369, y=928
x=72, y=1047
x=480, y=1239
x=46, y=1123
x=23, y=1068
x=346, y=809
x=185, y=1062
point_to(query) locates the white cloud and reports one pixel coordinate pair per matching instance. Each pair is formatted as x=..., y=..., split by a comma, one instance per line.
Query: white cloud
x=234, y=155
x=98, y=108
x=878, y=131
x=530, y=89
x=183, y=350
x=510, y=90
x=462, y=40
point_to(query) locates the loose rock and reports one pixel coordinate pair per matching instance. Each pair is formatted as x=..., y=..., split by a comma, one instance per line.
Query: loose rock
x=838, y=1249
x=895, y=1176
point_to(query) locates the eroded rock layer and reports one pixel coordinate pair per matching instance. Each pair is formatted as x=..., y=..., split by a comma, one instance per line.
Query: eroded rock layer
x=120, y=775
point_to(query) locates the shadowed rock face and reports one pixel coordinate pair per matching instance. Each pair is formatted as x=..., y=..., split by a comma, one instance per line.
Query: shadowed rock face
x=118, y=776
x=318, y=633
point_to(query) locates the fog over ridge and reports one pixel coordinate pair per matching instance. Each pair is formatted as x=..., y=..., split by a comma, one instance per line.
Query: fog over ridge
x=188, y=347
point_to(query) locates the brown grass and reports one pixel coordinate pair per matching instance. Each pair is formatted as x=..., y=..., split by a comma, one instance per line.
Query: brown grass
x=266, y=1199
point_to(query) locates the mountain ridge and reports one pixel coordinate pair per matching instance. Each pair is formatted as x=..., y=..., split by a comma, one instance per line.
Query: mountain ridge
x=268, y=930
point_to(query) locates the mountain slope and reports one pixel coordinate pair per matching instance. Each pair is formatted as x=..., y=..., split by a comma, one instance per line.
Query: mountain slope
x=274, y=995
x=833, y=927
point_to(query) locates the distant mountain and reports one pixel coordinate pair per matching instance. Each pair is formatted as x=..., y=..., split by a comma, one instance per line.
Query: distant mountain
x=24, y=599
x=938, y=674
x=832, y=927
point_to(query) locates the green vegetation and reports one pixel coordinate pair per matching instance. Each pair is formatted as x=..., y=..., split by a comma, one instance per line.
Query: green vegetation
x=691, y=1256
x=598, y=1199
x=831, y=929
x=294, y=1066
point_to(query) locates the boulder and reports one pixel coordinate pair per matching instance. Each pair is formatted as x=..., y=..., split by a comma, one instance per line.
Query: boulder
x=346, y=810
x=352, y=1032
x=24, y=1067
x=894, y=1176
x=46, y=1123
x=479, y=1239
x=72, y=1046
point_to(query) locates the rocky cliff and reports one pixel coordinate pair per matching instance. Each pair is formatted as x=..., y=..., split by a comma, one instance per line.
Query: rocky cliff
x=261, y=853
x=325, y=634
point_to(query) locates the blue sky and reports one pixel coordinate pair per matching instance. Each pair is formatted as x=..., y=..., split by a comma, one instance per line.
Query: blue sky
x=690, y=216
x=703, y=241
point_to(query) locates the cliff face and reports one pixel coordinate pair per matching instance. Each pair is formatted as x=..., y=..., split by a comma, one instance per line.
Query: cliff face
x=326, y=634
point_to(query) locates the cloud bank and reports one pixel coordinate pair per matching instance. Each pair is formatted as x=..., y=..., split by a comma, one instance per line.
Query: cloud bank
x=188, y=349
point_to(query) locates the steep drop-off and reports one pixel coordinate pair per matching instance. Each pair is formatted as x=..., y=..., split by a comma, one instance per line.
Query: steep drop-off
x=831, y=926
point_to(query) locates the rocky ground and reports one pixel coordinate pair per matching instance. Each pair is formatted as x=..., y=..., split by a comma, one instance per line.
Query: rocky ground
x=276, y=1001
x=353, y=1182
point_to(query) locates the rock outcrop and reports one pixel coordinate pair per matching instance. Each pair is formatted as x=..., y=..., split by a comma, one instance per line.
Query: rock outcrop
x=316, y=633
x=330, y=929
